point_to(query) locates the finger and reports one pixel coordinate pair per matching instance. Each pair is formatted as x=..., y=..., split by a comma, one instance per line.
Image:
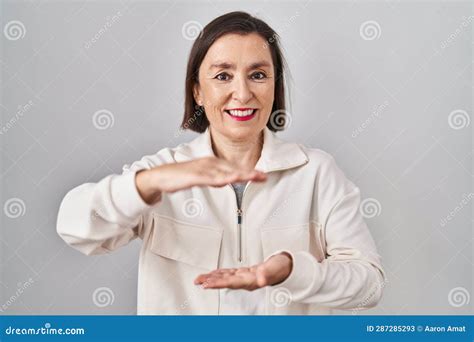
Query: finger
x=242, y=279
x=236, y=176
x=223, y=166
x=225, y=271
x=260, y=176
x=252, y=175
x=218, y=178
x=220, y=271
x=232, y=282
x=219, y=274
x=202, y=277
x=204, y=281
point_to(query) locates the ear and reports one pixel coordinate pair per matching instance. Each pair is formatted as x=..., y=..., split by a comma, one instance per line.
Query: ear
x=197, y=94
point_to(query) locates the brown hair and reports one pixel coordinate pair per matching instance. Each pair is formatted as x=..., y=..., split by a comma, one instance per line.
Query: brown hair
x=240, y=23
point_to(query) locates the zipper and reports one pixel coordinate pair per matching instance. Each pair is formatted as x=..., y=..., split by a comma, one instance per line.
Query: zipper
x=240, y=214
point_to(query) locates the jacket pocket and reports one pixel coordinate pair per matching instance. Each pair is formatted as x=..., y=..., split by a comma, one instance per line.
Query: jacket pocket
x=307, y=237
x=188, y=243
x=290, y=238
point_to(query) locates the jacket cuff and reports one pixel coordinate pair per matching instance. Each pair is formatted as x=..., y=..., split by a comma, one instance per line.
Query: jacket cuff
x=302, y=279
x=126, y=197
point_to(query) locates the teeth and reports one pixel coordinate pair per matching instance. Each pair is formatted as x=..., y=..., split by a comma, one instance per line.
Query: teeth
x=241, y=112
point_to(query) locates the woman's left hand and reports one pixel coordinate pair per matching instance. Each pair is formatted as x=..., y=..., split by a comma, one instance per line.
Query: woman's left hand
x=274, y=271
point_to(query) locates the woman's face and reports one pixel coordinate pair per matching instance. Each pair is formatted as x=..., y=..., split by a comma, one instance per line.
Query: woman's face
x=237, y=85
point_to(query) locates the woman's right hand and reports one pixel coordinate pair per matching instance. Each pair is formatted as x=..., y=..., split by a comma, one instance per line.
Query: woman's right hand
x=209, y=171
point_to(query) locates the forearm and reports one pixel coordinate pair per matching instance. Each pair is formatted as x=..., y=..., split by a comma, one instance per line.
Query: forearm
x=348, y=284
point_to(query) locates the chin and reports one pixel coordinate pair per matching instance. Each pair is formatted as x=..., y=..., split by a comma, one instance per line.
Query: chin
x=242, y=133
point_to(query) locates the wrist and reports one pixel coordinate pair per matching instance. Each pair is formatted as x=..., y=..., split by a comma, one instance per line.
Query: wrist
x=145, y=181
x=285, y=262
x=289, y=267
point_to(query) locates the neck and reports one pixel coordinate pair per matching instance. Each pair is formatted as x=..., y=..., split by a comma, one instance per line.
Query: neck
x=243, y=153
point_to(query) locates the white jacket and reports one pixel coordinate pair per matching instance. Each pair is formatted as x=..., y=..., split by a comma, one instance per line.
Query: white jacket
x=306, y=207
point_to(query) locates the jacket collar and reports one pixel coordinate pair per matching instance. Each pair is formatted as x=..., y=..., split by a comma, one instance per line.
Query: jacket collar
x=276, y=154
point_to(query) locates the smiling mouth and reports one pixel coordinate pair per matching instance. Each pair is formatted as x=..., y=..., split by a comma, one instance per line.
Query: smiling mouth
x=241, y=114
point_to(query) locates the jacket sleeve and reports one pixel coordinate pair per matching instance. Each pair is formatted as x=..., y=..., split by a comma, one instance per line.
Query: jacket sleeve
x=96, y=218
x=351, y=275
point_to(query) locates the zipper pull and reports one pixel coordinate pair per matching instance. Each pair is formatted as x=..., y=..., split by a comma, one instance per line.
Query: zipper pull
x=239, y=216
x=239, y=234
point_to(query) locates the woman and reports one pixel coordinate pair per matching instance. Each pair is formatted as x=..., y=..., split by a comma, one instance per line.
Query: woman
x=237, y=221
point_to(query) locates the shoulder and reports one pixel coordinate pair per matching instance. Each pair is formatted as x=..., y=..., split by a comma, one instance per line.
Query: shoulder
x=326, y=169
x=163, y=156
x=318, y=158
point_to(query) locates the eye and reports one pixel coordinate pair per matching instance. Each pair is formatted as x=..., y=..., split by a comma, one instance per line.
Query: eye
x=258, y=75
x=223, y=76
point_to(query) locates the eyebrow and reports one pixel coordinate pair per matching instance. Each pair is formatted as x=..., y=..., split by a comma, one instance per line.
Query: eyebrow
x=226, y=65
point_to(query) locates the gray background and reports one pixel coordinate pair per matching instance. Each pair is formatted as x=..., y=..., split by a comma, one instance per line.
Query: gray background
x=413, y=158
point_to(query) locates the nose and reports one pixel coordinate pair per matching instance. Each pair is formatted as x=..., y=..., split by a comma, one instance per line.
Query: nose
x=241, y=90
